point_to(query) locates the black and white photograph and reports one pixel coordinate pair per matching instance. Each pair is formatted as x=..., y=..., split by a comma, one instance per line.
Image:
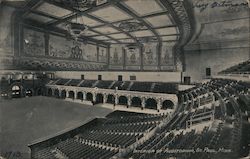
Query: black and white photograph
x=124, y=79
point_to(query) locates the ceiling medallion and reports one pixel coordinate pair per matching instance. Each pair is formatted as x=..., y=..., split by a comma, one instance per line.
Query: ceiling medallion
x=131, y=26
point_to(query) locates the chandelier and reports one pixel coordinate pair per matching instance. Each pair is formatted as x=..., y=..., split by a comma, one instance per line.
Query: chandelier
x=77, y=28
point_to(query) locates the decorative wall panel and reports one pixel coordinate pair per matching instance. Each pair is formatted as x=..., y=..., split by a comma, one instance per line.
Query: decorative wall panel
x=59, y=47
x=167, y=55
x=116, y=55
x=33, y=43
x=150, y=54
x=133, y=57
x=102, y=56
x=91, y=52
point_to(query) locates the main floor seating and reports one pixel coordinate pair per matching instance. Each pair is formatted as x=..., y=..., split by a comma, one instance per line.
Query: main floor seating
x=210, y=116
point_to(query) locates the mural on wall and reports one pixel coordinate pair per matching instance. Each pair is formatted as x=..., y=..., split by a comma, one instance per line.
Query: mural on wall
x=150, y=54
x=59, y=47
x=102, y=55
x=5, y=29
x=133, y=57
x=33, y=43
x=90, y=52
x=116, y=55
x=167, y=55
x=66, y=48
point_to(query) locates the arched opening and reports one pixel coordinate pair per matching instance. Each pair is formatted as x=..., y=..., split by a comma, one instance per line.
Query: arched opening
x=151, y=104
x=167, y=104
x=110, y=99
x=56, y=93
x=136, y=102
x=50, y=92
x=71, y=94
x=89, y=96
x=28, y=93
x=80, y=95
x=123, y=100
x=63, y=94
x=16, y=91
x=99, y=98
x=39, y=92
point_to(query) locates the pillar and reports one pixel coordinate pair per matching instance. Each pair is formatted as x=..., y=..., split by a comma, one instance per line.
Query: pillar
x=116, y=99
x=129, y=101
x=143, y=103
x=104, y=98
x=60, y=93
x=94, y=97
x=67, y=94
x=84, y=95
x=199, y=102
x=159, y=104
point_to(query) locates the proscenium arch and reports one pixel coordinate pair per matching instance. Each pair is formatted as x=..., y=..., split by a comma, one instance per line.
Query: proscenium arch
x=167, y=104
x=123, y=100
x=136, y=102
x=151, y=103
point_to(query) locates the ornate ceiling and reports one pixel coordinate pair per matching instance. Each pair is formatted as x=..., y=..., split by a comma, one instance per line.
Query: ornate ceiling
x=111, y=21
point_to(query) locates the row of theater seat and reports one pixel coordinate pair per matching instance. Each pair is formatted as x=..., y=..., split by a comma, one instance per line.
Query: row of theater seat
x=121, y=85
x=242, y=68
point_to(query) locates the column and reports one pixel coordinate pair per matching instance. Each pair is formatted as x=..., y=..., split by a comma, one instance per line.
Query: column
x=53, y=92
x=46, y=38
x=159, y=105
x=141, y=55
x=159, y=46
x=129, y=101
x=104, y=98
x=84, y=95
x=94, y=97
x=60, y=92
x=108, y=57
x=143, y=103
x=116, y=99
x=75, y=94
x=67, y=94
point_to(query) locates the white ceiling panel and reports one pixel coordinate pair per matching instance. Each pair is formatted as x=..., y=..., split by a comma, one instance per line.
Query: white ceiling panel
x=142, y=33
x=87, y=21
x=106, y=30
x=53, y=10
x=101, y=38
x=169, y=38
x=119, y=36
x=167, y=31
x=110, y=14
x=38, y=18
x=144, y=7
x=159, y=21
x=111, y=41
x=127, y=41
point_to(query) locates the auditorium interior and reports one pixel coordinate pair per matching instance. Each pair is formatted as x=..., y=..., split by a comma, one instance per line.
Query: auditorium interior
x=124, y=79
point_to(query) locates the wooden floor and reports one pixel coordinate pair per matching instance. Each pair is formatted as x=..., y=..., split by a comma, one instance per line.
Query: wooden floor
x=27, y=119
